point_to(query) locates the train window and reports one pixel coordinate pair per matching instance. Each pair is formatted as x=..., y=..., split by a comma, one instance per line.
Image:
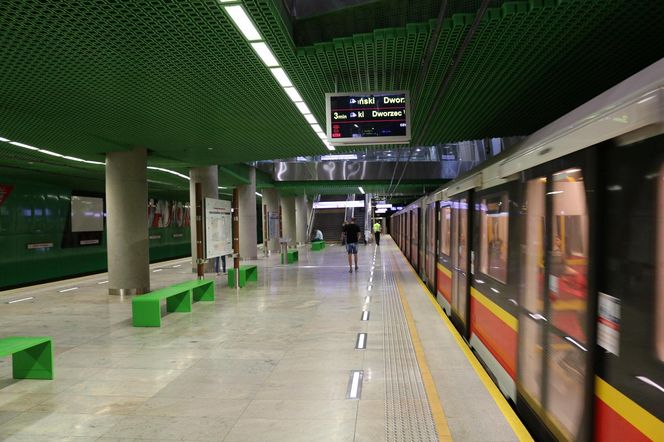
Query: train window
x=532, y=263
x=568, y=272
x=445, y=229
x=494, y=222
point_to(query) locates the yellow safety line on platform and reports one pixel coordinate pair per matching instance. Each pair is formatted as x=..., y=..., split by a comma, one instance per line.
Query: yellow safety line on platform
x=511, y=417
x=437, y=412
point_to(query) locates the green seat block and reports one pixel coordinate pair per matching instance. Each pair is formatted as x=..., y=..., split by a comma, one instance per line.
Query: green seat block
x=32, y=357
x=292, y=256
x=246, y=273
x=146, y=309
x=317, y=245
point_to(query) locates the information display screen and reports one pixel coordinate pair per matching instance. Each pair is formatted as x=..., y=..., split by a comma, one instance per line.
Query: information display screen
x=217, y=219
x=368, y=118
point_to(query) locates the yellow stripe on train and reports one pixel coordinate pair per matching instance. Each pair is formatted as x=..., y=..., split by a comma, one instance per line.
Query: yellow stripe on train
x=499, y=312
x=444, y=270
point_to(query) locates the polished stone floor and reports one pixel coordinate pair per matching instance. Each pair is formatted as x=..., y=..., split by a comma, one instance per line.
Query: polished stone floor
x=269, y=362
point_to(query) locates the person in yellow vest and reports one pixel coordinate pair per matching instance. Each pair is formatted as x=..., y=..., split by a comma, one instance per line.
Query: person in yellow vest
x=376, y=229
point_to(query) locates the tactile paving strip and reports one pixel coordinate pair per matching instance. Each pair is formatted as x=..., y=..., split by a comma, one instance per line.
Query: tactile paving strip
x=407, y=411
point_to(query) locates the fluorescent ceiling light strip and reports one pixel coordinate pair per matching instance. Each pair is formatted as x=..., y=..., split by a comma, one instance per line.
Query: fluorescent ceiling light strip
x=310, y=119
x=68, y=290
x=6, y=140
x=259, y=194
x=302, y=107
x=365, y=315
x=243, y=22
x=361, y=190
x=172, y=172
x=281, y=76
x=293, y=94
x=25, y=146
x=317, y=129
x=265, y=54
x=321, y=136
x=20, y=300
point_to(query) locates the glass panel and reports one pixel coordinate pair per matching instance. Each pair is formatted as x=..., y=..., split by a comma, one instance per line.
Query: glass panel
x=532, y=261
x=445, y=229
x=530, y=358
x=494, y=227
x=565, y=389
x=659, y=270
x=531, y=291
x=568, y=280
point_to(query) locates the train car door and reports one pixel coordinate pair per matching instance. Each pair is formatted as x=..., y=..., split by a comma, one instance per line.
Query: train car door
x=414, y=239
x=430, y=246
x=554, y=373
x=460, y=260
x=444, y=263
x=406, y=245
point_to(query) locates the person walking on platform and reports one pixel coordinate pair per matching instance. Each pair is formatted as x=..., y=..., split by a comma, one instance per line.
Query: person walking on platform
x=351, y=232
x=376, y=229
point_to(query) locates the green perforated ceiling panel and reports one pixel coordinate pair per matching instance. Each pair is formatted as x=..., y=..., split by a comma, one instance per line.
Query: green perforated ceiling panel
x=83, y=77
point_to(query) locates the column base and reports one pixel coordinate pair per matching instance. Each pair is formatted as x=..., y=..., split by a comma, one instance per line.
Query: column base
x=128, y=292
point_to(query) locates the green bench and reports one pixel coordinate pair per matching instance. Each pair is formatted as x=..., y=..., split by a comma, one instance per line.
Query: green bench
x=317, y=245
x=291, y=256
x=246, y=273
x=146, y=309
x=32, y=357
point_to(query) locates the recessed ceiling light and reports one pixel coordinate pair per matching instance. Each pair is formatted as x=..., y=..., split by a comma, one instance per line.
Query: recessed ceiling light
x=265, y=54
x=310, y=119
x=302, y=106
x=293, y=94
x=281, y=77
x=243, y=22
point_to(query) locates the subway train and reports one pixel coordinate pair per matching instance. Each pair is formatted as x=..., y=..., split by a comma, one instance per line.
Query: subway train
x=549, y=260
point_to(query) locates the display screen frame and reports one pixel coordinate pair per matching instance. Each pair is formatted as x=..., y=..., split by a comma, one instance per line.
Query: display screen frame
x=349, y=141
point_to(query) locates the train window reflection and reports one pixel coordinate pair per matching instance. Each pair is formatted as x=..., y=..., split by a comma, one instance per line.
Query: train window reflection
x=494, y=223
x=532, y=263
x=659, y=293
x=568, y=273
x=445, y=229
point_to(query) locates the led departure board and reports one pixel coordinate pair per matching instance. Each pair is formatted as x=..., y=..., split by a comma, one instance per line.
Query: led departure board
x=368, y=118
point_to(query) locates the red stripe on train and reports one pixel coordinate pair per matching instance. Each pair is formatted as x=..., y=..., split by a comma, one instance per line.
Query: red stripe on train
x=611, y=426
x=498, y=337
x=444, y=285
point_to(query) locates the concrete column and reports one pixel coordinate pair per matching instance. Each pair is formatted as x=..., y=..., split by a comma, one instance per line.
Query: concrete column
x=127, y=227
x=247, y=200
x=288, y=218
x=209, y=178
x=301, y=219
x=271, y=200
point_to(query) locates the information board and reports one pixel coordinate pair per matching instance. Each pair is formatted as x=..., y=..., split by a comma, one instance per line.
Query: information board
x=368, y=118
x=218, y=239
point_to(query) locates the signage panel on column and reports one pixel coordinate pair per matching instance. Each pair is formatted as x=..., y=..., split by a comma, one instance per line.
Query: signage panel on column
x=368, y=118
x=218, y=239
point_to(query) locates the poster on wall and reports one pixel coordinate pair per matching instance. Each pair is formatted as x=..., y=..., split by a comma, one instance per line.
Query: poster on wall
x=218, y=238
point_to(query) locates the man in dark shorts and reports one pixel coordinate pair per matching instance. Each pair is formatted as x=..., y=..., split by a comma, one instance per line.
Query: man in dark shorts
x=351, y=231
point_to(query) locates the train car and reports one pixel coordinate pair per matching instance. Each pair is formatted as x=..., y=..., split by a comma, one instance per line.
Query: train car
x=550, y=262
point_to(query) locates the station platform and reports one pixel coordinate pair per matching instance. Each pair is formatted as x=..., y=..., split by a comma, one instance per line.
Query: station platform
x=274, y=360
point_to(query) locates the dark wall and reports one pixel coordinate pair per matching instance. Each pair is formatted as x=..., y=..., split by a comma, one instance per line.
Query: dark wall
x=35, y=213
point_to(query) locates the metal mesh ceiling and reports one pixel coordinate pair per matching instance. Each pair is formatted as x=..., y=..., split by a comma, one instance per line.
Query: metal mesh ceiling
x=85, y=77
